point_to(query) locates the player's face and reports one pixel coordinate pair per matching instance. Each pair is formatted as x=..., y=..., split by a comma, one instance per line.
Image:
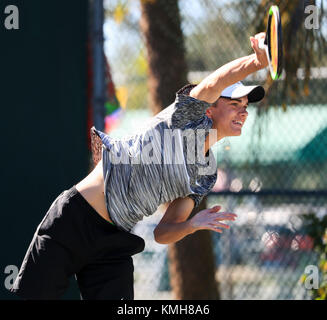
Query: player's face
x=229, y=116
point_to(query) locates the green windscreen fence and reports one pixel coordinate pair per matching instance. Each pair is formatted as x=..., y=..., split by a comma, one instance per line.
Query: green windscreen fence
x=43, y=85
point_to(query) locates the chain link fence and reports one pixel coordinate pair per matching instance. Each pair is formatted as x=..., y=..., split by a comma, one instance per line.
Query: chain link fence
x=270, y=176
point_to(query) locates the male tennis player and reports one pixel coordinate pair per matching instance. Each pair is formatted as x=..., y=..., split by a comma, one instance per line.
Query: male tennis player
x=87, y=229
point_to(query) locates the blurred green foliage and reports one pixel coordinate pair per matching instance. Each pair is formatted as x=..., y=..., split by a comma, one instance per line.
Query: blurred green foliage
x=316, y=228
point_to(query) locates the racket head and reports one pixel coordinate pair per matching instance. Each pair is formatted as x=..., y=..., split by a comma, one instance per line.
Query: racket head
x=274, y=43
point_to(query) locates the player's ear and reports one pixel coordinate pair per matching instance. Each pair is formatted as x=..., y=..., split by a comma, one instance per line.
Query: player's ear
x=209, y=111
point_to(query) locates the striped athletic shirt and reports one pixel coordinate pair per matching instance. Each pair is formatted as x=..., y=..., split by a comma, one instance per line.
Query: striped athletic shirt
x=159, y=163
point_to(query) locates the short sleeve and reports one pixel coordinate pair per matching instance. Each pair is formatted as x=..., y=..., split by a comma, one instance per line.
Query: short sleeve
x=197, y=198
x=187, y=109
x=202, y=187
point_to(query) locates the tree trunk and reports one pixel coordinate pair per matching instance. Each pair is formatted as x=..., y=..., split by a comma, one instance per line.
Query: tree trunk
x=192, y=267
x=160, y=24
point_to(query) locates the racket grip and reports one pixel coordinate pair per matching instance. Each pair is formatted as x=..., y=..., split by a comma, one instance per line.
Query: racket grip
x=261, y=44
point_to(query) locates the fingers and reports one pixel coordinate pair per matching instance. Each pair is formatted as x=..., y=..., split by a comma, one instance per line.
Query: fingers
x=255, y=41
x=221, y=215
x=228, y=218
x=220, y=225
x=260, y=35
x=214, y=209
x=216, y=230
x=252, y=41
x=225, y=216
x=217, y=227
x=211, y=219
x=254, y=44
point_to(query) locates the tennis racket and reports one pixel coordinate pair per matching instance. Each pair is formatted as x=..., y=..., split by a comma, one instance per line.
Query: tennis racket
x=272, y=43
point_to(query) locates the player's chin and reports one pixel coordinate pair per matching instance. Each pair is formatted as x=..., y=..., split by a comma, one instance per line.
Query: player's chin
x=236, y=132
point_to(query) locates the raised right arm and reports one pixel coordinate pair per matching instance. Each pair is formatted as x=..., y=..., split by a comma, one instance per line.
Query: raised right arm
x=210, y=88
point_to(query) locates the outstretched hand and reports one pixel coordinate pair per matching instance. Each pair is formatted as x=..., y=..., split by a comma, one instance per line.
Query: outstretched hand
x=210, y=219
x=261, y=55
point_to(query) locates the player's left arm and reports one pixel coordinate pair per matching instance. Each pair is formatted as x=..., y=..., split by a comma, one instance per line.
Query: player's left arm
x=174, y=225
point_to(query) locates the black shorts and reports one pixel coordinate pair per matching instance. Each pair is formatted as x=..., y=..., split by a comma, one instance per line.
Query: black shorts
x=73, y=239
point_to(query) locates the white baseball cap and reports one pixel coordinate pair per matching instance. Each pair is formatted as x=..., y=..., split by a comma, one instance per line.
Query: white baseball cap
x=238, y=90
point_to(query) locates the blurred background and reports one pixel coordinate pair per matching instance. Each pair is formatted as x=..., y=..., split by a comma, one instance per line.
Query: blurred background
x=114, y=64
